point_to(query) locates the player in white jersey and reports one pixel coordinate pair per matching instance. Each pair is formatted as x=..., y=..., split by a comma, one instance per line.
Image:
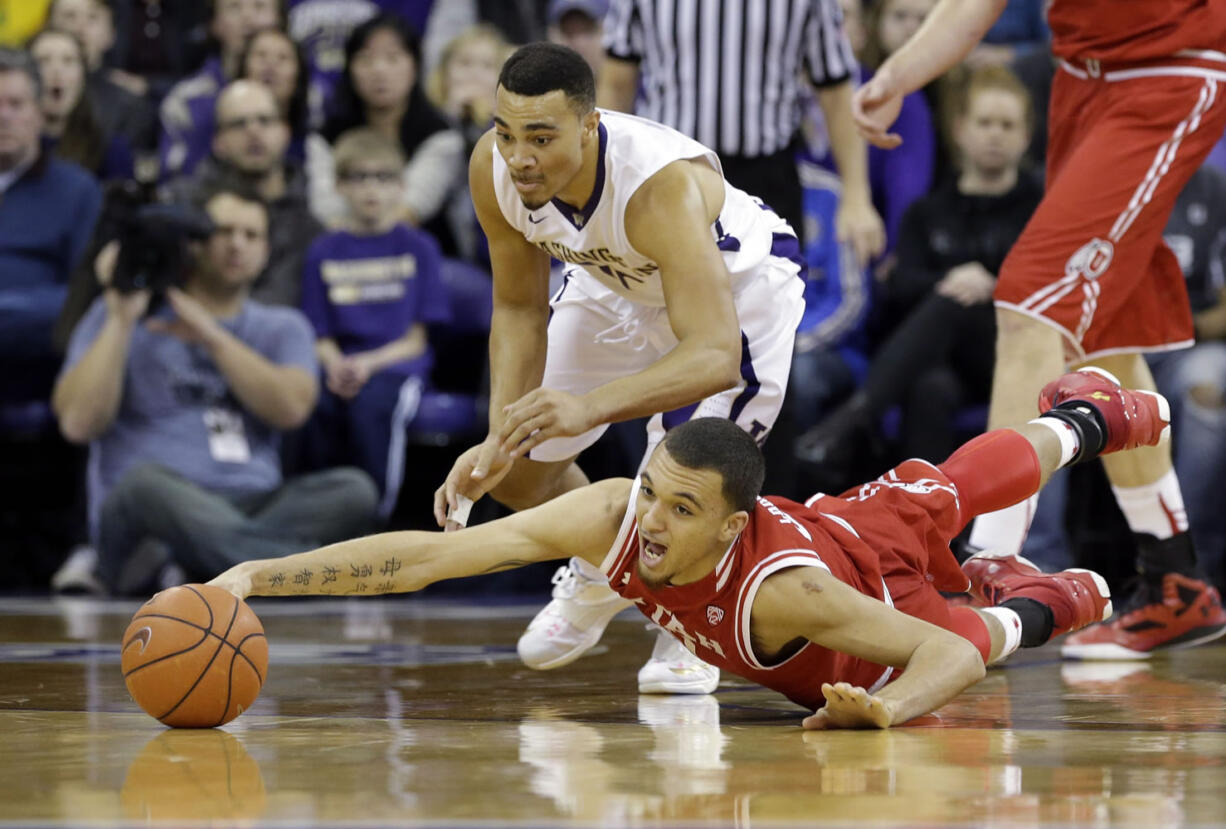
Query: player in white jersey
x=681, y=297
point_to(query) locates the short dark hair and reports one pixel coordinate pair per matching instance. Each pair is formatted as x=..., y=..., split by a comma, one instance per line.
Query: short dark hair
x=229, y=183
x=720, y=445
x=16, y=60
x=540, y=68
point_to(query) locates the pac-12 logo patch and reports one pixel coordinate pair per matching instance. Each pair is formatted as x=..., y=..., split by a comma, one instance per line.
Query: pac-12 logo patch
x=715, y=615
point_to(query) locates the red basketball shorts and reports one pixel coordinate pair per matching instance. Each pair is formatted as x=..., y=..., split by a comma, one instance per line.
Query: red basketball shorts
x=1122, y=144
x=908, y=516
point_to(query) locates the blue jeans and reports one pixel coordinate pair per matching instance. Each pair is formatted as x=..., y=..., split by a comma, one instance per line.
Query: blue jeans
x=208, y=532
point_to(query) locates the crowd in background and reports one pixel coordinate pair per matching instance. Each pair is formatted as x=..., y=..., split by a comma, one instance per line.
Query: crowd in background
x=311, y=358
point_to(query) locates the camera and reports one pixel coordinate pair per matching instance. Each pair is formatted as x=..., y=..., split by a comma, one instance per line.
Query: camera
x=153, y=237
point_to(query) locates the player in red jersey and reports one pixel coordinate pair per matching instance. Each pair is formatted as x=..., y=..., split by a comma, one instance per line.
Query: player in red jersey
x=1137, y=102
x=822, y=601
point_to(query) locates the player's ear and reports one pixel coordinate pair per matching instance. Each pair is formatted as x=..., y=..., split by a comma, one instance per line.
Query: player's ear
x=733, y=525
x=591, y=122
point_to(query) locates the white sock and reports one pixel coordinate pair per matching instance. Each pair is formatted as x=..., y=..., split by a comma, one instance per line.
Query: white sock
x=1002, y=532
x=1155, y=508
x=1012, y=623
x=1065, y=433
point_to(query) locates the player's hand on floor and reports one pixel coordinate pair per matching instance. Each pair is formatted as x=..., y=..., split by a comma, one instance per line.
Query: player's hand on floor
x=849, y=706
x=236, y=580
x=474, y=473
x=539, y=415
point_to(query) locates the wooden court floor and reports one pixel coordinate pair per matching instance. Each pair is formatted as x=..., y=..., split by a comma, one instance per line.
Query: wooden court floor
x=409, y=712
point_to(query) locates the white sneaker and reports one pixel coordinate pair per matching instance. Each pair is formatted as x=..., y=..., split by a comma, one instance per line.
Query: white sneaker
x=672, y=669
x=78, y=573
x=570, y=624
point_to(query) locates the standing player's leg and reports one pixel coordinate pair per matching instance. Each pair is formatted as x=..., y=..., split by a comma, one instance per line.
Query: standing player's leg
x=1173, y=604
x=1091, y=266
x=594, y=337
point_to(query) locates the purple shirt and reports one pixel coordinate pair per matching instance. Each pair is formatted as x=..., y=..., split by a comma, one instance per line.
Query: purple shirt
x=365, y=291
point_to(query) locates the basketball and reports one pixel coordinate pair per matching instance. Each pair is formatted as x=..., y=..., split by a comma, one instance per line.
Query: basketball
x=194, y=656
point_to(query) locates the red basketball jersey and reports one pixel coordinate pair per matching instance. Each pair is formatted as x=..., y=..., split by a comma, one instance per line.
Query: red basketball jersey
x=711, y=616
x=1112, y=31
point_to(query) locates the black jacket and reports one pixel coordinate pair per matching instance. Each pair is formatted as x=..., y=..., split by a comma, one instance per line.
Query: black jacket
x=947, y=228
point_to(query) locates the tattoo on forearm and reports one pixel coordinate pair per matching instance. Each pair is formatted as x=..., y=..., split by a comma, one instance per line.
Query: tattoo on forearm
x=509, y=564
x=276, y=580
x=329, y=575
x=390, y=567
x=363, y=571
x=385, y=587
x=303, y=577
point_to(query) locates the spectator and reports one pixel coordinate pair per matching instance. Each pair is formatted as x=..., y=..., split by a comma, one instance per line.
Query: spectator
x=188, y=109
x=370, y=291
x=71, y=128
x=380, y=89
x=462, y=87
x=250, y=145
x=323, y=26
x=47, y=212
x=939, y=356
x=898, y=180
x=579, y=24
x=118, y=97
x=463, y=84
x=184, y=411
x=273, y=59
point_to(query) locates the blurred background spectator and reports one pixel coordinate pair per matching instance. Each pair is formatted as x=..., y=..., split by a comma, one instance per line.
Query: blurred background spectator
x=120, y=99
x=47, y=212
x=323, y=26
x=370, y=291
x=380, y=88
x=898, y=177
x=273, y=59
x=250, y=146
x=579, y=24
x=186, y=112
x=71, y=127
x=462, y=86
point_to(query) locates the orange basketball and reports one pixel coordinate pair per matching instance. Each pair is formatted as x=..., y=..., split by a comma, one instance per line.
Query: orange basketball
x=194, y=656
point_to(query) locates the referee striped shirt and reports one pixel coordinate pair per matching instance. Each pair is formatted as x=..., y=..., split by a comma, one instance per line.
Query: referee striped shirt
x=728, y=72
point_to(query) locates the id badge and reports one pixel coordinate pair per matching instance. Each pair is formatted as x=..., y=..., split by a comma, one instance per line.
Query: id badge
x=227, y=440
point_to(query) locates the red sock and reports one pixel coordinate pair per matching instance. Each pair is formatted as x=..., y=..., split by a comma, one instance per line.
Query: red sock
x=970, y=626
x=993, y=471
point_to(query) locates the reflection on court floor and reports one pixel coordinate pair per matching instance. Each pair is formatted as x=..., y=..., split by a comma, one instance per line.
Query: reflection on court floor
x=402, y=711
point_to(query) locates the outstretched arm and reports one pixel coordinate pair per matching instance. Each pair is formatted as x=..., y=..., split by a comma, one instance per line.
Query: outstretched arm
x=809, y=603
x=583, y=523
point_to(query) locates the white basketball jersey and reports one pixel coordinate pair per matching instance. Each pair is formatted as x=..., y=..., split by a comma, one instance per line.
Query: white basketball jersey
x=631, y=150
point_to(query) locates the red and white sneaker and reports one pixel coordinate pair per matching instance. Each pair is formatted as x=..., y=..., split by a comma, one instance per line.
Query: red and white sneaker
x=1076, y=597
x=1132, y=417
x=1181, y=613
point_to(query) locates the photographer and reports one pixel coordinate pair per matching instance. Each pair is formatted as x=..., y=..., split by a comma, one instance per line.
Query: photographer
x=183, y=409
